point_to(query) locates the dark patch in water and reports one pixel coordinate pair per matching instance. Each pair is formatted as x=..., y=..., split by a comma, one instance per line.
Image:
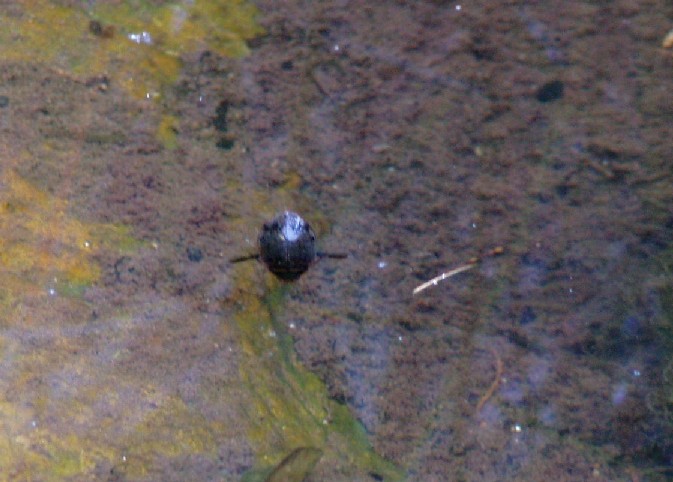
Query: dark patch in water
x=550, y=91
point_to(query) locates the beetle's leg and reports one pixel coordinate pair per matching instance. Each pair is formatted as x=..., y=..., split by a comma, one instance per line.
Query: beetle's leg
x=320, y=255
x=244, y=258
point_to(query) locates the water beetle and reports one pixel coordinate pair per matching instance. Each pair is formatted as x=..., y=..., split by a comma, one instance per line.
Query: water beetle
x=287, y=247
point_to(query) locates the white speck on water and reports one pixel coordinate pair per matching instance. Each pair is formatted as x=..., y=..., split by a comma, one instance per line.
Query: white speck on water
x=474, y=225
x=636, y=373
x=458, y=8
x=382, y=264
x=141, y=38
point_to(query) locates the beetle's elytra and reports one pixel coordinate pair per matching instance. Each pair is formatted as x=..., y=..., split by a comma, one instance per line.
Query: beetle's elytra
x=287, y=247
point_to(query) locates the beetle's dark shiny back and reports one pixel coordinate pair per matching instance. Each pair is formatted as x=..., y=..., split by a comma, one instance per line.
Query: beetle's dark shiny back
x=287, y=246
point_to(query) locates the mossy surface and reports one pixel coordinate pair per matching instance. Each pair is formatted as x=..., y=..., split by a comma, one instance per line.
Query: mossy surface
x=136, y=44
x=290, y=407
x=44, y=251
x=96, y=388
x=47, y=260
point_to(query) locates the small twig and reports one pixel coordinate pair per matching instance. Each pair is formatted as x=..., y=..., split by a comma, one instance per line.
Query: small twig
x=443, y=276
x=469, y=265
x=494, y=386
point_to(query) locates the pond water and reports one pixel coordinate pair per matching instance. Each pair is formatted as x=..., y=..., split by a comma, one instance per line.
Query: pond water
x=526, y=145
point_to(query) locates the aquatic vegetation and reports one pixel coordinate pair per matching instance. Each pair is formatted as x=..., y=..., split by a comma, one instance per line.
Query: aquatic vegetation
x=47, y=259
x=44, y=251
x=38, y=453
x=78, y=396
x=99, y=409
x=166, y=133
x=289, y=405
x=136, y=44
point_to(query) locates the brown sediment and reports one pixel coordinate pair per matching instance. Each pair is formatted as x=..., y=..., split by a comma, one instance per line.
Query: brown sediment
x=410, y=134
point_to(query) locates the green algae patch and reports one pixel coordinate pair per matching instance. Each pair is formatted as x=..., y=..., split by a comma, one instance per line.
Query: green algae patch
x=43, y=250
x=289, y=406
x=29, y=452
x=178, y=27
x=167, y=132
x=171, y=431
x=136, y=44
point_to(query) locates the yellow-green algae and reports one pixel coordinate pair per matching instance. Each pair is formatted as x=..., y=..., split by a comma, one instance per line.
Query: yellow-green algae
x=58, y=35
x=42, y=248
x=290, y=406
x=66, y=412
x=167, y=132
x=172, y=430
x=38, y=454
x=40, y=244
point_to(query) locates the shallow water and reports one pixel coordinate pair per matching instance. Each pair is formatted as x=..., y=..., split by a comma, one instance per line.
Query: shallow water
x=142, y=151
